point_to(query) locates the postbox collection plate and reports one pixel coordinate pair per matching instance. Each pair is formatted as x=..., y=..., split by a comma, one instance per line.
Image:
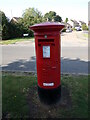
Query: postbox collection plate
x=48, y=84
x=46, y=51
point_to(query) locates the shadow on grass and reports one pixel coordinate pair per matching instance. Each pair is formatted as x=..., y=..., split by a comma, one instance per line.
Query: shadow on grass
x=76, y=66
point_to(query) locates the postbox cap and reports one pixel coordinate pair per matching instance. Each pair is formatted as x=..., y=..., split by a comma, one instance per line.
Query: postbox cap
x=47, y=26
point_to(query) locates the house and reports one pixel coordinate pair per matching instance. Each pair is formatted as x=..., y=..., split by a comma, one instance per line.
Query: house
x=67, y=25
x=16, y=19
x=82, y=23
x=71, y=23
x=75, y=23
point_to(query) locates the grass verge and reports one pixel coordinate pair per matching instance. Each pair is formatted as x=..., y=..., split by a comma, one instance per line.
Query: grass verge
x=13, y=41
x=17, y=104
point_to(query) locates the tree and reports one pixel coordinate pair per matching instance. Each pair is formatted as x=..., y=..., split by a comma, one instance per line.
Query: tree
x=84, y=27
x=51, y=16
x=5, y=26
x=30, y=17
x=15, y=30
x=10, y=29
x=57, y=18
x=66, y=20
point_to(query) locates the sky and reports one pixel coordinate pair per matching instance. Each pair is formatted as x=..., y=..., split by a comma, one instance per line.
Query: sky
x=73, y=9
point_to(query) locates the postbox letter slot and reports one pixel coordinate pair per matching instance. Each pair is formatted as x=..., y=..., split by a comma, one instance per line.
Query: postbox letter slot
x=39, y=44
x=45, y=40
x=53, y=44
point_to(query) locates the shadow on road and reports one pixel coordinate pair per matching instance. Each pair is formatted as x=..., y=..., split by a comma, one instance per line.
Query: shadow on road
x=76, y=66
x=67, y=65
x=22, y=65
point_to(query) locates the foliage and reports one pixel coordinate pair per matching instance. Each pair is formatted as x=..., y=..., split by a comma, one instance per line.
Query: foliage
x=84, y=27
x=57, y=18
x=73, y=29
x=11, y=29
x=64, y=30
x=66, y=20
x=31, y=16
x=5, y=26
x=52, y=16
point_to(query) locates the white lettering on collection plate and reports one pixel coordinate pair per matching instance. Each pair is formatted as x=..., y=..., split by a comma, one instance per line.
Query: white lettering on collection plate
x=48, y=84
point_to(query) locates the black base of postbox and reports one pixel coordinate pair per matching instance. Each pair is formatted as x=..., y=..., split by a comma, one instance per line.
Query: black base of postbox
x=49, y=96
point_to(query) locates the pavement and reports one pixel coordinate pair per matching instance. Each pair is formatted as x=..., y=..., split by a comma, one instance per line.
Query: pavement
x=74, y=55
x=74, y=39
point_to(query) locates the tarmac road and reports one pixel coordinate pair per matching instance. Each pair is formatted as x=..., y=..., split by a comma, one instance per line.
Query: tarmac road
x=22, y=58
x=74, y=55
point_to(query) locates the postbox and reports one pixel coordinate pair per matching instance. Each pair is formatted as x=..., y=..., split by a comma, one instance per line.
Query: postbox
x=48, y=49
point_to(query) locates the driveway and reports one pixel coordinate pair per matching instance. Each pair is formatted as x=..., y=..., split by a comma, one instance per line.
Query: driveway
x=74, y=55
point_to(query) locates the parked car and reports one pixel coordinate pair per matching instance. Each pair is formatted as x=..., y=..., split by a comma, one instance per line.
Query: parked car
x=69, y=30
x=78, y=28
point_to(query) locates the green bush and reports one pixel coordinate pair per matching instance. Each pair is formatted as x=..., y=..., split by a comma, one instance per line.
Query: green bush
x=12, y=29
x=5, y=26
x=64, y=30
x=84, y=27
x=73, y=29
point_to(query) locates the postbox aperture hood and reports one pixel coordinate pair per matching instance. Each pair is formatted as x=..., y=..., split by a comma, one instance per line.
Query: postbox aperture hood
x=47, y=26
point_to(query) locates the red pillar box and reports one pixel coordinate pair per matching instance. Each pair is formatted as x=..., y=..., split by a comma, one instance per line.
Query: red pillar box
x=48, y=49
